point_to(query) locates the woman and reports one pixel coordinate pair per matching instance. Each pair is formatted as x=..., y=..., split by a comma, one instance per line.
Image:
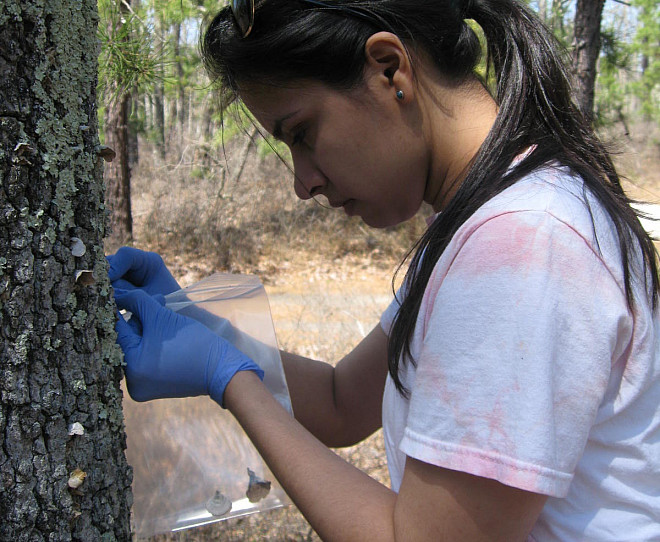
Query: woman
x=515, y=373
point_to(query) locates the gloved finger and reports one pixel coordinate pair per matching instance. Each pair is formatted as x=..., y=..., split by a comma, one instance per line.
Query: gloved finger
x=160, y=298
x=126, y=259
x=120, y=293
x=134, y=390
x=127, y=338
x=122, y=284
x=119, y=264
x=139, y=303
x=130, y=300
x=135, y=324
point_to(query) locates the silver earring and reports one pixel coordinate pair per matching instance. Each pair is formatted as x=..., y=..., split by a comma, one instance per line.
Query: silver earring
x=399, y=94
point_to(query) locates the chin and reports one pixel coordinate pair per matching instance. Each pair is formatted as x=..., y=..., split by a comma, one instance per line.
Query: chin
x=380, y=222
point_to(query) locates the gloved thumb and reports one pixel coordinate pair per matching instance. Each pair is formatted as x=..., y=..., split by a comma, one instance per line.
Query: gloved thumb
x=119, y=264
x=127, y=337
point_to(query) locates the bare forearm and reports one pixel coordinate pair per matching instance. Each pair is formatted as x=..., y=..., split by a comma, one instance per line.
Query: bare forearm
x=339, y=501
x=340, y=405
x=311, y=388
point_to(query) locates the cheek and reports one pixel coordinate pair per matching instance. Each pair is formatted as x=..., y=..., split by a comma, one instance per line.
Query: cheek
x=385, y=173
x=402, y=182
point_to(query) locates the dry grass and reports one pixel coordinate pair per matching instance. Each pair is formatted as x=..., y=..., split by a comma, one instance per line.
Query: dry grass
x=328, y=277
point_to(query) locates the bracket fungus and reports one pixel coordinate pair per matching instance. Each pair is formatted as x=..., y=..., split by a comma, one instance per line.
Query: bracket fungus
x=76, y=428
x=77, y=478
x=106, y=153
x=78, y=248
x=85, y=277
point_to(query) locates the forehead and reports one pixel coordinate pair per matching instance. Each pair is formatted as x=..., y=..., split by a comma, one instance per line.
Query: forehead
x=264, y=100
x=270, y=103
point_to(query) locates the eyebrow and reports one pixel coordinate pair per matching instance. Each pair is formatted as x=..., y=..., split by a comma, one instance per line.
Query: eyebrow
x=277, y=129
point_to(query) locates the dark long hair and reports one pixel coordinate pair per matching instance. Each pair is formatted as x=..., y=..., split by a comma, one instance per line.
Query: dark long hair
x=295, y=39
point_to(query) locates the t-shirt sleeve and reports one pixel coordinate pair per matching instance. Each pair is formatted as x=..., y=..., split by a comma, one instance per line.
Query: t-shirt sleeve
x=520, y=331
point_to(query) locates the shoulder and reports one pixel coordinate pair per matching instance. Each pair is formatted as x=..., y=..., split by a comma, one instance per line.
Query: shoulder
x=539, y=215
x=550, y=201
x=553, y=190
x=546, y=227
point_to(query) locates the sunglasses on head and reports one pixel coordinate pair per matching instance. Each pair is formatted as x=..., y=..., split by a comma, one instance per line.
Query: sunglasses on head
x=243, y=11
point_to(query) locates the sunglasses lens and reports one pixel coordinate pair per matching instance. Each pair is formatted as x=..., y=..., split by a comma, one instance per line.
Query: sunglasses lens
x=243, y=11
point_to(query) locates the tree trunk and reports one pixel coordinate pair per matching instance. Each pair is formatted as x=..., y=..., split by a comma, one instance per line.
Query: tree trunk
x=148, y=112
x=543, y=10
x=159, y=96
x=586, y=47
x=159, y=116
x=58, y=359
x=117, y=169
x=557, y=19
x=179, y=82
x=134, y=114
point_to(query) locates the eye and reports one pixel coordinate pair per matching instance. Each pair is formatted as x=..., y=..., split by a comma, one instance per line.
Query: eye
x=298, y=137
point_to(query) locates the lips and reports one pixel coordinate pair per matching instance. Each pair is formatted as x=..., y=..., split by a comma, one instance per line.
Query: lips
x=346, y=204
x=348, y=207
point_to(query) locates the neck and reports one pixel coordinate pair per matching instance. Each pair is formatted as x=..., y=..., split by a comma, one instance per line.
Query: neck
x=460, y=119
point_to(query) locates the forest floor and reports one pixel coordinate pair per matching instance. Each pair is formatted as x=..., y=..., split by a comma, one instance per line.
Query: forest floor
x=327, y=277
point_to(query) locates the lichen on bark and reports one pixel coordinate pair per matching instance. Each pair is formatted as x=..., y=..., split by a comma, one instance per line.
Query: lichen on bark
x=58, y=360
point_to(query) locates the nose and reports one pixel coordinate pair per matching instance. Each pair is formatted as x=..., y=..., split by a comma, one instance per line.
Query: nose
x=309, y=181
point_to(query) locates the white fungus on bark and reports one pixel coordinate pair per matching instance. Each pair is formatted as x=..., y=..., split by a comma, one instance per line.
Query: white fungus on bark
x=77, y=478
x=76, y=428
x=78, y=248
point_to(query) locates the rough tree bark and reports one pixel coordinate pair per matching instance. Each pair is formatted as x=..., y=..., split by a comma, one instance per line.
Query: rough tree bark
x=586, y=48
x=59, y=364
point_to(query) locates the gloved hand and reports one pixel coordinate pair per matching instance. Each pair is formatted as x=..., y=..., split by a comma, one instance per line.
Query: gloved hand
x=174, y=356
x=132, y=268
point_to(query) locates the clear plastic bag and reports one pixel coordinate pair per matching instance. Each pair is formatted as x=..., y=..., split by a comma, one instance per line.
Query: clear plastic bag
x=186, y=453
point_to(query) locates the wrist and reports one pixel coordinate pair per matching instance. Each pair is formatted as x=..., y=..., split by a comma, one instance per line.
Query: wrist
x=225, y=363
x=240, y=389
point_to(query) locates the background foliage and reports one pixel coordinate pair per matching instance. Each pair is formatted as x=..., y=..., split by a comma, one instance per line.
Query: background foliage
x=157, y=46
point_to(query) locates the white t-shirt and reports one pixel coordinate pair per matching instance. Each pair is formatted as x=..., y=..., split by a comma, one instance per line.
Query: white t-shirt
x=532, y=370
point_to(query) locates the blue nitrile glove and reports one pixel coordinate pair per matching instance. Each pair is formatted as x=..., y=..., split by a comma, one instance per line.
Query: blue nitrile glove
x=132, y=268
x=174, y=356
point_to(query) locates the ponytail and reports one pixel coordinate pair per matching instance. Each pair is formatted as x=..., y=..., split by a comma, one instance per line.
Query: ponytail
x=536, y=111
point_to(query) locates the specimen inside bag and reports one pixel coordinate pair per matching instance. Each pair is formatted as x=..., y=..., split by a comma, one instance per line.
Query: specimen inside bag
x=257, y=488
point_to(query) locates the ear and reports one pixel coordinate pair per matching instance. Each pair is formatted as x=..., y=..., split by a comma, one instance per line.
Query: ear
x=388, y=65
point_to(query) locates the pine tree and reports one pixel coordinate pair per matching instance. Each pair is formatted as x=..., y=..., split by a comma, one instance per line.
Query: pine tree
x=63, y=472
